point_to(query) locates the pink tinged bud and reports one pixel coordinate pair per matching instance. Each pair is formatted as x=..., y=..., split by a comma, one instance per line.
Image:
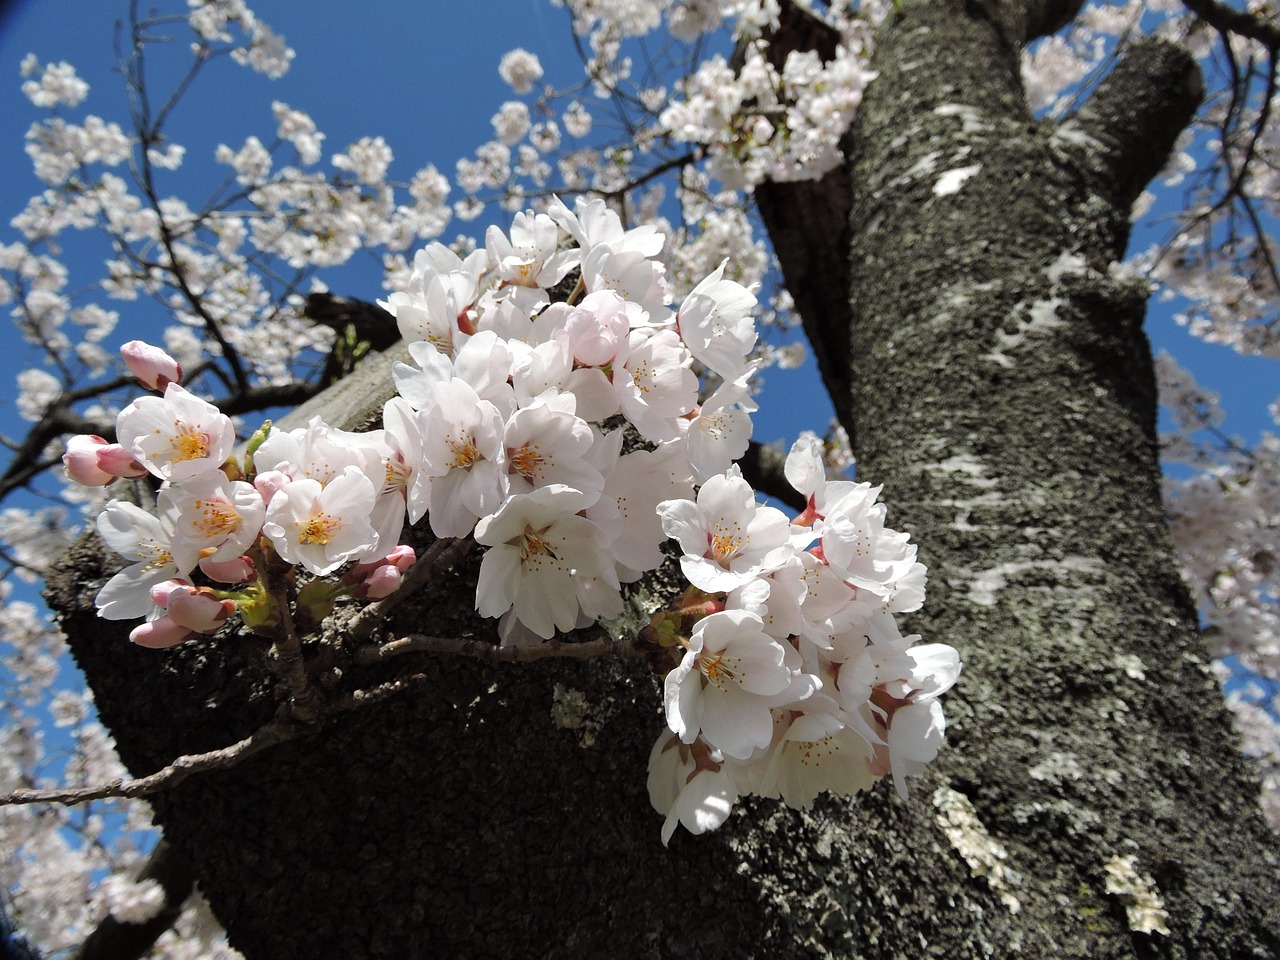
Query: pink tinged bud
x=198, y=609
x=160, y=593
x=269, y=483
x=235, y=570
x=381, y=578
x=119, y=462
x=159, y=634
x=81, y=461
x=154, y=368
x=402, y=558
x=380, y=583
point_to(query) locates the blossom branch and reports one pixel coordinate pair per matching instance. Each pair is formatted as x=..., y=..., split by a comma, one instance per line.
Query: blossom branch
x=304, y=698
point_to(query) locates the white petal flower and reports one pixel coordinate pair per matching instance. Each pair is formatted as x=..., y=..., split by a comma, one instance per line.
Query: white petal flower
x=137, y=535
x=816, y=752
x=215, y=518
x=323, y=527
x=726, y=536
x=715, y=322
x=177, y=436
x=545, y=562
x=725, y=685
x=691, y=785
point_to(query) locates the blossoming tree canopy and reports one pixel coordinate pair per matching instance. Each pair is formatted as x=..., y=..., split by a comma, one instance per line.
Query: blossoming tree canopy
x=509, y=427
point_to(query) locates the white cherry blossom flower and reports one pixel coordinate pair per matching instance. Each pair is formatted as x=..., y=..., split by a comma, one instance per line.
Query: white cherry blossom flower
x=463, y=454
x=214, y=518
x=692, y=785
x=520, y=69
x=815, y=752
x=726, y=536
x=322, y=527
x=545, y=563
x=546, y=444
x=715, y=322
x=655, y=386
x=726, y=683
x=141, y=537
x=177, y=436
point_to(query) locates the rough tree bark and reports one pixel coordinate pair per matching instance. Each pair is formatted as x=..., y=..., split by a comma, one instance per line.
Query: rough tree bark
x=1002, y=391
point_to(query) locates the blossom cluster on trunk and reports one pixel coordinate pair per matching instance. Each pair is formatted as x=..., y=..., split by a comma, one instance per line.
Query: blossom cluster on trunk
x=509, y=427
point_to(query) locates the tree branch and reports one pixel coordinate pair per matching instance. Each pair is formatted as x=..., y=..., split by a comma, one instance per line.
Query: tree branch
x=1138, y=111
x=223, y=758
x=116, y=940
x=1241, y=22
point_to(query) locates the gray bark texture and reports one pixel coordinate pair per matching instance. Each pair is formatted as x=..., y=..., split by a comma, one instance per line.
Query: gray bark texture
x=1000, y=387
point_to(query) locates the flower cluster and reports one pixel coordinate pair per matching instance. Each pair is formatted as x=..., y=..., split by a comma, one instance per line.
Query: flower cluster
x=509, y=426
x=794, y=679
x=761, y=123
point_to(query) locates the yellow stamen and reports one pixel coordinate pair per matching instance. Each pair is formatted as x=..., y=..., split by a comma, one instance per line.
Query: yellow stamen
x=319, y=529
x=188, y=444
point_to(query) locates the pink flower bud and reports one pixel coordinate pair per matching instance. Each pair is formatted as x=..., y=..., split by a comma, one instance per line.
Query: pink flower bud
x=81, y=461
x=235, y=570
x=161, y=591
x=269, y=483
x=381, y=578
x=159, y=634
x=119, y=462
x=380, y=583
x=154, y=368
x=402, y=557
x=198, y=609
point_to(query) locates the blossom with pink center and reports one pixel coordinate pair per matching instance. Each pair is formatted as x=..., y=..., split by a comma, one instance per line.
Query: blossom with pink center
x=690, y=784
x=177, y=436
x=545, y=443
x=463, y=454
x=214, y=518
x=726, y=536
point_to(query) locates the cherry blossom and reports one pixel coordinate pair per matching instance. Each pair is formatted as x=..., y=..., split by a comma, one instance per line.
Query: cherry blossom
x=322, y=527
x=176, y=437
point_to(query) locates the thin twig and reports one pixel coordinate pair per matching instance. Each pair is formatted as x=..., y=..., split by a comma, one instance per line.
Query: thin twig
x=270, y=735
x=492, y=653
x=304, y=698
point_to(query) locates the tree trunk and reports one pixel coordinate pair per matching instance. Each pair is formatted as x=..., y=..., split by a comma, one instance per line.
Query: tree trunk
x=1002, y=392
